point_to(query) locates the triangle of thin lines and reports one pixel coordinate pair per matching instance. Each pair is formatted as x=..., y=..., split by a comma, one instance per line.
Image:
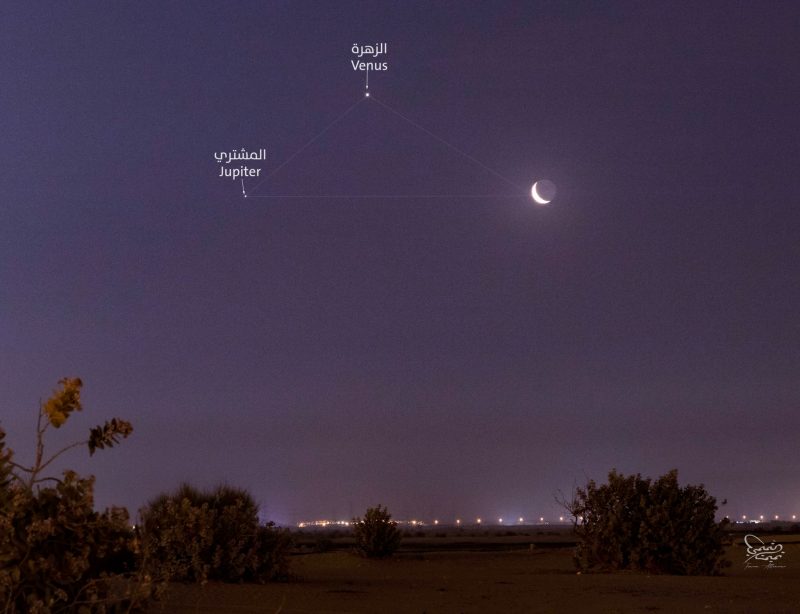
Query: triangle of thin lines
x=388, y=196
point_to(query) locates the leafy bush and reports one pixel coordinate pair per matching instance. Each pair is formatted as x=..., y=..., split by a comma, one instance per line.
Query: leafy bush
x=658, y=527
x=56, y=553
x=377, y=535
x=59, y=555
x=195, y=536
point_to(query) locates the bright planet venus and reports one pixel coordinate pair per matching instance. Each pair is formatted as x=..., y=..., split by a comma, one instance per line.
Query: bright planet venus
x=543, y=191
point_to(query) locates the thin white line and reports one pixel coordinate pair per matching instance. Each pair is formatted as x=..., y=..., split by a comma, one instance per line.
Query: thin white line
x=441, y=140
x=304, y=147
x=387, y=196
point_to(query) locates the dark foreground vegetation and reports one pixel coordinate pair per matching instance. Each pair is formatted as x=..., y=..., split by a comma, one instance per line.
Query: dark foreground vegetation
x=57, y=554
x=633, y=523
x=196, y=536
x=376, y=536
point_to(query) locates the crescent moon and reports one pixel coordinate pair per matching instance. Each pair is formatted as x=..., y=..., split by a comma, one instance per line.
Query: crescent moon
x=536, y=196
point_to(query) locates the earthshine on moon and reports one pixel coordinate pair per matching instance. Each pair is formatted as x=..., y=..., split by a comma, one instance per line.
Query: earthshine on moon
x=543, y=191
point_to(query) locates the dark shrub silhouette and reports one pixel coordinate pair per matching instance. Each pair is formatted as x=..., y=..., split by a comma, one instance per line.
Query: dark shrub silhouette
x=377, y=535
x=57, y=554
x=658, y=527
x=192, y=535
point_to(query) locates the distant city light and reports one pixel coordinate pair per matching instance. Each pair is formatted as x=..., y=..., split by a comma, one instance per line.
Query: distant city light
x=794, y=517
x=323, y=523
x=776, y=516
x=346, y=523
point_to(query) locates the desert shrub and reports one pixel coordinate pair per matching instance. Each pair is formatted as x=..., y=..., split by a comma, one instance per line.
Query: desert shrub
x=658, y=527
x=376, y=534
x=57, y=554
x=195, y=536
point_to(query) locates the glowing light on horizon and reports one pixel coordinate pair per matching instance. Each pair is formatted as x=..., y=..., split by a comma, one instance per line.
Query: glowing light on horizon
x=415, y=522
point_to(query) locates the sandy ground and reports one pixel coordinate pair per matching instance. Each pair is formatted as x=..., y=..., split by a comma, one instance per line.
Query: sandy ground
x=538, y=580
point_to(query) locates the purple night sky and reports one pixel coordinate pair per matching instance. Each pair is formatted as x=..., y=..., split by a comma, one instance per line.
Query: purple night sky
x=442, y=356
